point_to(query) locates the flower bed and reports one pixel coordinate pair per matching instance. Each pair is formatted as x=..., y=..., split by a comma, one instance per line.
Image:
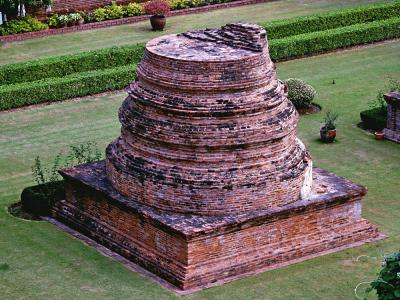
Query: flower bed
x=125, y=20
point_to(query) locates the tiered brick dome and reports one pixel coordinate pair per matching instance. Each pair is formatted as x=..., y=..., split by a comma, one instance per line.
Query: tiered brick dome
x=207, y=127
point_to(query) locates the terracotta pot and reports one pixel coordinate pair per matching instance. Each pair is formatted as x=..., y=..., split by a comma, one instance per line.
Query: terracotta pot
x=158, y=22
x=379, y=135
x=327, y=136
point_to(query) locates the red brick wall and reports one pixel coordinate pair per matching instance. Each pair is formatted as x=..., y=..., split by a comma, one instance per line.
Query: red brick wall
x=192, y=251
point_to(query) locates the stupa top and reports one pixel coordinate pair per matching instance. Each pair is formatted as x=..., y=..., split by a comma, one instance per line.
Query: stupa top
x=230, y=42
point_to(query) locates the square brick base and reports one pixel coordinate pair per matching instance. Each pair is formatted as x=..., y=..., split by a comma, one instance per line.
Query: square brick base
x=192, y=251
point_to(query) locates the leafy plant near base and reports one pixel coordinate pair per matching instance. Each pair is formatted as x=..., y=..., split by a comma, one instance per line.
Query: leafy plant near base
x=61, y=66
x=375, y=117
x=39, y=199
x=324, y=21
x=71, y=86
x=387, y=285
x=379, y=102
x=330, y=120
x=300, y=93
x=322, y=41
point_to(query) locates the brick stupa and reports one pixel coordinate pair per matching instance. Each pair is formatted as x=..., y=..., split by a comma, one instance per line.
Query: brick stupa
x=208, y=182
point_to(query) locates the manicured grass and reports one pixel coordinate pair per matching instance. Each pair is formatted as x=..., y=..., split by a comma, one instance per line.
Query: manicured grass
x=45, y=263
x=140, y=32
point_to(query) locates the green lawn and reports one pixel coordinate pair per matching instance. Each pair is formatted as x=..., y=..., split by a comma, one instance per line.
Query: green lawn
x=140, y=32
x=38, y=261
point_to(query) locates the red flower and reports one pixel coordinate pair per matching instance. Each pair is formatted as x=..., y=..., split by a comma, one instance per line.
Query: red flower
x=156, y=7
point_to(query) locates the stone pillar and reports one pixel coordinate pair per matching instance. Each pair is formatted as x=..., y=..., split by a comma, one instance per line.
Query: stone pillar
x=392, y=131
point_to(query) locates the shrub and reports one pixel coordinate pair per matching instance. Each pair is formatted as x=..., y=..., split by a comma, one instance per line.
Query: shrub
x=113, y=11
x=387, y=285
x=133, y=9
x=180, y=4
x=88, y=16
x=319, y=22
x=38, y=200
x=60, y=66
x=22, y=25
x=63, y=20
x=52, y=21
x=379, y=102
x=374, y=118
x=322, y=41
x=300, y=93
x=100, y=14
x=156, y=7
x=73, y=18
x=71, y=86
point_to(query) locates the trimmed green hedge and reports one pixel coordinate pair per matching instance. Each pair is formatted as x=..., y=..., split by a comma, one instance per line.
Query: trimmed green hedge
x=319, y=22
x=68, y=64
x=76, y=75
x=374, y=118
x=71, y=86
x=322, y=41
x=38, y=200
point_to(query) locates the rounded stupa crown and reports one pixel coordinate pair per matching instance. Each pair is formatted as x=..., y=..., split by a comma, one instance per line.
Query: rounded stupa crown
x=207, y=127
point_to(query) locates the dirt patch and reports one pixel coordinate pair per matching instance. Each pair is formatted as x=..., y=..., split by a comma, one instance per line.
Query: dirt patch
x=312, y=109
x=348, y=262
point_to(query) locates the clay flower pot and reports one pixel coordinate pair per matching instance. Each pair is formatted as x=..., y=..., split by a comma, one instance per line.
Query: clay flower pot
x=327, y=136
x=158, y=22
x=379, y=135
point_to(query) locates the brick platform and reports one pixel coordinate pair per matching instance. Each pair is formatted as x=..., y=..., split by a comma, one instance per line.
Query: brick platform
x=207, y=181
x=392, y=130
x=193, y=251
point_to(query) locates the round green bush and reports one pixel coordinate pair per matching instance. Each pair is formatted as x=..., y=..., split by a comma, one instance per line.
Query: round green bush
x=300, y=93
x=133, y=9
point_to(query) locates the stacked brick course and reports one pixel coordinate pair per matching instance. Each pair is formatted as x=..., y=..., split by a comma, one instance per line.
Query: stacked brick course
x=206, y=125
x=208, y=181
x=392, y=130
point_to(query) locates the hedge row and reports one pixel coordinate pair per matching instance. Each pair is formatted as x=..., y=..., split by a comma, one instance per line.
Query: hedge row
x=92, y=82
x=118, y=56
x=374, y=118
x=68, y=64
x=71, y=86
x=322, y=41
x=319, y=22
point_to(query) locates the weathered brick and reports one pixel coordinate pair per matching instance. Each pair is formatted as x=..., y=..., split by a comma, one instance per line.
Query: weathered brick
x=392, y=130
x=206, y=181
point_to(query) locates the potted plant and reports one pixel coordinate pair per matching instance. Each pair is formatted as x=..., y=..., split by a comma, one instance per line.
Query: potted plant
x=379, y=135
x=158, y=9
x=328, y=130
